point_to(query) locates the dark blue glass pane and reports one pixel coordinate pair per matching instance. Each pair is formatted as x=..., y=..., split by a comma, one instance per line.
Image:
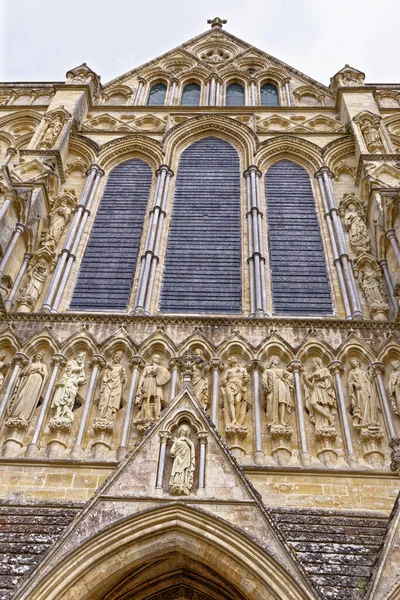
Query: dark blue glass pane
x=269, y=95
x=157, y=95
x=234, y=95
x=191, y=95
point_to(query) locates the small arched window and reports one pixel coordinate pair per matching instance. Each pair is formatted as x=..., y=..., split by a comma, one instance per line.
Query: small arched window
x=269, y=95
x=235, y=95
x=157, y=95
x=191, y=95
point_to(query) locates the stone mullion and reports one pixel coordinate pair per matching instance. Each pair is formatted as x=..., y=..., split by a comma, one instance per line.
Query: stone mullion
x=336, y=368
x=202, y=437
x=138, y=92
x=217, y=366
x=58, y=362
x=287, y=92
x=19, y=228
x=164, y=437
x=378, y=370
x=255, y=368
x=97, y=363
x=137, y=363
x=93, y=177
x=10, y=300
x=20, y=360
x=389, y=284
x=305, y=457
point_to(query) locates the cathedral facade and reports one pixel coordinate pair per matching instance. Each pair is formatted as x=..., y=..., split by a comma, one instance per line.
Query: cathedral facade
x=199, y=332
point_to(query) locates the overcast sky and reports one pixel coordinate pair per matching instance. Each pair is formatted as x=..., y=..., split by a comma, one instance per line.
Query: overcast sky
x=42, y=39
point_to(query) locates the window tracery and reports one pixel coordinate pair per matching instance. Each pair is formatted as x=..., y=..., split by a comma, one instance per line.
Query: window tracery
x=157, y=95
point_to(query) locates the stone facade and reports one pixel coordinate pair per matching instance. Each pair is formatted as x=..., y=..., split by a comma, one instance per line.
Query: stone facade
x=153, y=453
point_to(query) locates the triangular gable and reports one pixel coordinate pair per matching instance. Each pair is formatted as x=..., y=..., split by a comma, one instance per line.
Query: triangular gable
x=227, y=495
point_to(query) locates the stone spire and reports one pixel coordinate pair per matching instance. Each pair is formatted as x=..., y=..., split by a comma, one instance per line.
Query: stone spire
x=216, y=23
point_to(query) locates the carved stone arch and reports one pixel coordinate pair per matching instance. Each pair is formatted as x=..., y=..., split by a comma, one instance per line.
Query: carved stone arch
x=16, y=122
x=7, y=138
x=337, y=150
x=81, y=341
x=120, y=90
x=157, y=342
x=275, y=344
x=239, y=135
x=84, y=147
x=116, y=343
x=354, y=345
x=130, y=146
x=388, y=351
x=237, y=345
x=392, y=123
x=227, y=554
x=314, y=346
x=305, y=153
x=198, y=340
x=307, y=90
x=234, y=75
x=186, y=415
x=22, y=141
x=9, y=339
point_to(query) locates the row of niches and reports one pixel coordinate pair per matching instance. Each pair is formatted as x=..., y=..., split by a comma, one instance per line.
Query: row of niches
x=310, y=411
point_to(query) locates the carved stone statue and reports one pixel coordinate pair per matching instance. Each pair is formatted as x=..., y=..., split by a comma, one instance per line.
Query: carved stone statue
x=363, y=401
x=372, y=137
x=27, y=391
x=359, y=237
x=182, y=452
x=150, y=397
x=33, y=284
x=67, y=389
x=58, y=219
x=112, y=387
x=320, y=396
x=278, y=385
x=52, y=132
x=372, y=285
x=199, y=378
x=3, y=368
x=394, y=387
x=234, y=393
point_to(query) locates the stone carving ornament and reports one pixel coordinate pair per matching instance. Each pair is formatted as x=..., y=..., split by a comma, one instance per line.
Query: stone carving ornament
x=66, y=390
x=182, y=451
x=234, y=385
x=59, y=217
x=32, y=285
x=369, y=125
x=278, y=386
x=394, y=387
x=3, y=367
x=363, y=400
x=200, y=378
x=150, y=395
x=354, y=221
x=372, y=285
x=112, y=387
x=320, y=396
x=52, y=132
x=27, y=392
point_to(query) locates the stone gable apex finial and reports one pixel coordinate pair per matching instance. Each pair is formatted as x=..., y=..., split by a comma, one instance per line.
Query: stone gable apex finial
x=216, y=23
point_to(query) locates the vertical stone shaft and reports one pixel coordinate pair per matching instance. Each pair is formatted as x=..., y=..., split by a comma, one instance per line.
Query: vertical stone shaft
x=391, y=236
x=378, y=371
x=255, y=367
x=202, y=437
x=10, y=300
x=164, y=437
x=217, y=366
x=19, y=360
x=137, y=363
x=389, y=283
x=19, y=228
x=336, y=368
x=305, y=457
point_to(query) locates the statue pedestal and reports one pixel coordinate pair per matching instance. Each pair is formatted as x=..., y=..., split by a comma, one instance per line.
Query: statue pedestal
x=103, y=430
x=32, y=450
x=60, y=429
x=379, y=313
x=15, y=440
x=142, y=425
x=281, y=436
x=326, y=451
x=234, y=435
x=371, y=438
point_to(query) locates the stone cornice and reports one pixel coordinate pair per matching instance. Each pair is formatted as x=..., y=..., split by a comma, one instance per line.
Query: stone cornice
x=373, y=158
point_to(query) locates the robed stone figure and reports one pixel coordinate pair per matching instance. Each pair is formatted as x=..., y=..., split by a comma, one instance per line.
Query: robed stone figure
x=150, y=396
x=363, y=401
x=28, y=390
x=182, y=452
x=112, y=387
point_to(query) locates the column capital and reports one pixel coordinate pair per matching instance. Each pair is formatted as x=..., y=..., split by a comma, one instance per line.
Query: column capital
x=383, y=263
x=252, y=169
x=59, y=360
x=11, y=151
x=394, y=444
x=164, y=436
x=164, y=168
x=390, y=233
x=137, y=362
x=377, y=368
x=336, y=367
x=95, y=169
x=216, y=364
x=98, y=360
x=202, y=436
x=174, y=363
x=11, y=195
x=286, y=80
x=20, y=227
x=296, y=366
x=20, y=359
x=255, y=365
x=322, y=170
x=142, y=80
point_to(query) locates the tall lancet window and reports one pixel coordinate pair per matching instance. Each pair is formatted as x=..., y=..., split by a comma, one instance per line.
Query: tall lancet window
x=235, y=95
x=300, y=284
x=269, y=95
x=157, y=95
x=108, y=266
x=191, y=95
x=202, y=271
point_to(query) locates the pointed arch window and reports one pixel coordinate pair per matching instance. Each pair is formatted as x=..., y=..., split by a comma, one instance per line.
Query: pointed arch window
x=299, y=277
x=269, y=95
x=157, y=95
x=191, y=95
x=235, y=95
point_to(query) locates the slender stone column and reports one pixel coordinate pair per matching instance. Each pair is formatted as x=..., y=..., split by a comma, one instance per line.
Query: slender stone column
x=212, y=91
x=137, y=363
x=10, y=153
x=218, y=92
x=253, y=93
x=305, y=457
x=174, y=368
x=217, y=366
x=287, y=91
x=165, y=436
x=10, y=300
x=139, y=92
x=378, y=370
x=59, y=361
x=202, y=437
x=97, y=363
x=336, y=368
x=10, y=197
x=255, y=368
x=19, y=361
x=172, y=92
x=391, y=236
x=19, y=228
x=389, y=284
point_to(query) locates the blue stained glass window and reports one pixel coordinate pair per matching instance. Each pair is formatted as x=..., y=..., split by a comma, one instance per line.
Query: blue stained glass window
x=191, y=95
x=269, y=95
x=235, y=95
x=157, y=95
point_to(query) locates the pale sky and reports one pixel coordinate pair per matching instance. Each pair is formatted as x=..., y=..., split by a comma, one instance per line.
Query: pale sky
x=42, y=39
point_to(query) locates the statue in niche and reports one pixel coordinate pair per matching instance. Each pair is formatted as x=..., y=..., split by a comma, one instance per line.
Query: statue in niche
x=150, y=397
x=359, y=237
x=372, y=285
x=27, y=392
x=33, y=284
x=363, y=401
x=112, y=387
x=278, y=385
x=58, y=220
x=234, y=385
x=182, y=452
x=200, y=378
x=320, y=396
x=372, y=136
x=3, y=367
x=52, y=132
x=394, y=387
x=67, y=389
